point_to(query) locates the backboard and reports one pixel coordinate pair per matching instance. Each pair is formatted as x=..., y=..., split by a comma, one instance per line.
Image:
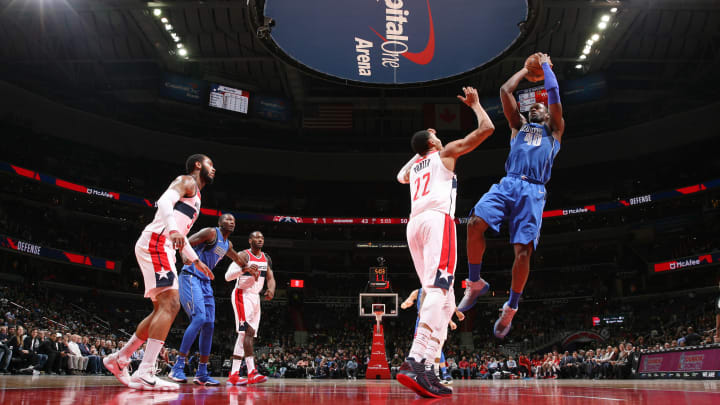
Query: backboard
x=368, y=303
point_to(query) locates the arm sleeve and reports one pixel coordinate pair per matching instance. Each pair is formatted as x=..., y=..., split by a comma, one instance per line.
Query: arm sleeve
x=188, y=251
x=401, y=173
x=551, y=84
x=234, y=271
x=165, y=206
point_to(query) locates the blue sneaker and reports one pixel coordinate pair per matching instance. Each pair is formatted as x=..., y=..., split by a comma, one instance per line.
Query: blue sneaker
x=177, y=374
x=473, y=290
x=205, y=379
x=502, y=325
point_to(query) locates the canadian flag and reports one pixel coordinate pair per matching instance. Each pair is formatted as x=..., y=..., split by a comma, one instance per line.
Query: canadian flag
x=447, y=116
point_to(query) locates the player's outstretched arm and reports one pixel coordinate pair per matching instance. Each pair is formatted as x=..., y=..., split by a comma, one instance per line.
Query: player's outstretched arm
x=472, y=140
x=410, y=300
x=510, y=106
x=270, y=277
x=557, y=122
x=403, y=176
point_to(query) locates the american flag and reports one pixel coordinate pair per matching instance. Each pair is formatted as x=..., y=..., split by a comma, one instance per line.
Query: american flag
x=328, y=116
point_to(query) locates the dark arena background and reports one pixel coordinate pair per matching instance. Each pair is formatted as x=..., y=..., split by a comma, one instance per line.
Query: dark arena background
x=306, y=108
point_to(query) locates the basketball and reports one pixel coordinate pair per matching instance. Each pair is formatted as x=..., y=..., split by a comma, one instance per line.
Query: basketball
x=535, y=72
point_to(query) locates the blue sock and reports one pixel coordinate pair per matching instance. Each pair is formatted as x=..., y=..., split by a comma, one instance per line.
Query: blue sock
x=443, y=370
x=474, y=271
x=180, y=363
x=514, y=298
x=202, y=369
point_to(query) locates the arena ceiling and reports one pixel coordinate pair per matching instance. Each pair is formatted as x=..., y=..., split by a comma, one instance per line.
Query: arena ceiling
x=654, y=51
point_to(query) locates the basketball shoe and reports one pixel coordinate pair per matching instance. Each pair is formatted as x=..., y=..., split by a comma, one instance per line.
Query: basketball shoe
x=473, y=290
x=255, y=377
x=435, y=382
x=412, y=375
x=206, y=380
x=234, y=378
x=119, y=369
x=177, y=374
x=144, y=379
x=502, y=325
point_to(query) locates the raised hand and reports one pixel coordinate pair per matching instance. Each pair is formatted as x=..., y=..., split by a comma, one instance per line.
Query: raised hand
x=471, y=97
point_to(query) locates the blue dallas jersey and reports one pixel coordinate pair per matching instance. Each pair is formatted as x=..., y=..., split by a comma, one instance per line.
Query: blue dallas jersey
x=210, y=254
x=532, y=152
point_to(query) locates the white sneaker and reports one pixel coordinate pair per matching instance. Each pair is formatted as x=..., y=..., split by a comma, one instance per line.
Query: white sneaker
x=144, y=379
x=502, y=325
x=119, y=369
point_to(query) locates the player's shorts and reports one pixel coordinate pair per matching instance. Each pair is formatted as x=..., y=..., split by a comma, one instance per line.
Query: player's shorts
x=433, y=246
x=156, y=259
x=196, y=297
x=246, y=308
x=520, y=202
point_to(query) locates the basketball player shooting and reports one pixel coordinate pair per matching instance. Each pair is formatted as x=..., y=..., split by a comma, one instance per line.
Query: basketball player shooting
x=196, y=296
x=520, y=196
x=249, y=281
x=432, y=241
x=177, y=210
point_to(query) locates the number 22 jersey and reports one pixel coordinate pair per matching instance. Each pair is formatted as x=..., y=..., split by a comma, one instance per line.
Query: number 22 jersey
x=433, y=187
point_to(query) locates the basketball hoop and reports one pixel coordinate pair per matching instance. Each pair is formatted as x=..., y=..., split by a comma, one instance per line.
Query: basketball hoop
x=378, y=317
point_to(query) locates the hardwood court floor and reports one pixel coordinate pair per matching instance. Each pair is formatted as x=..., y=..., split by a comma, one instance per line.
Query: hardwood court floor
x=67, y=390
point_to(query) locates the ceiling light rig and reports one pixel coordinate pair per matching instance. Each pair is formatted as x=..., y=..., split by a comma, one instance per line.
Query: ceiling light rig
x=602, y=25
x=180, y=49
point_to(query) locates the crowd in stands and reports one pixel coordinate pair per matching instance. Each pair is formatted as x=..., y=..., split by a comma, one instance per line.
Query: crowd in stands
x=38, y=335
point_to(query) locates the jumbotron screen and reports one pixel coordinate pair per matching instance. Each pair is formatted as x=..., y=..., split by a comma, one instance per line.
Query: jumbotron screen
x=228, y=98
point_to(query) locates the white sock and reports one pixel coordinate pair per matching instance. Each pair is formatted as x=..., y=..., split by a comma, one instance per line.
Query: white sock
x=250, y=361
x=431, y=352
x=235, y=366
x=420, y=343
x=130, y=347
x=151, y=354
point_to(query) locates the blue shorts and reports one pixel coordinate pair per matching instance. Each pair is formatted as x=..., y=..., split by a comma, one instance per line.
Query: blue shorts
x=196, y=296
x=518, y=201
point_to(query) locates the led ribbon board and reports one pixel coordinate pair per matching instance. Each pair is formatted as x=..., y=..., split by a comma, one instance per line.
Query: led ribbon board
x=391, y=42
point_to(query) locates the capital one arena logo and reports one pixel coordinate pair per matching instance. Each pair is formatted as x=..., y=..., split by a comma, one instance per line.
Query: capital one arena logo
x=394, y=41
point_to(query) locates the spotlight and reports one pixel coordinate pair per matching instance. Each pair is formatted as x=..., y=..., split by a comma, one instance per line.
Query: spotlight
x=583, y=57
x=182, y=52
x=613, y=10
x=578, y=66
x=168, y=27
x=179, y=45
x=605, y=18
x=602, y=25
x=595, y=37
x=164, y=20
x=175, y=38
x=157, y=12
x=586, y=50
x=589, y=42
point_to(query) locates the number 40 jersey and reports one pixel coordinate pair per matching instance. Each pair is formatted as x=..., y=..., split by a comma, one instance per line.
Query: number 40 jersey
x=432, y=186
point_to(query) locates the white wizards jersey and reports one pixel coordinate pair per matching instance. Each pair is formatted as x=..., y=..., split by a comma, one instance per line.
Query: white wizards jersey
x=432, y=186
x=185, y=211
x=262, y=264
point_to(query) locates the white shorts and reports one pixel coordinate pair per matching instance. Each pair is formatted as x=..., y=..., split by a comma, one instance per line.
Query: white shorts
x=156, y=258
x=246, y=307
x=433, y=246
